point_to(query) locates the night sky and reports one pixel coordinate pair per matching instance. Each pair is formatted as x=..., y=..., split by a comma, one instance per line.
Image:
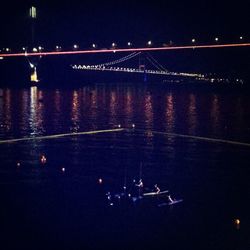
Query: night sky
x=104, y=22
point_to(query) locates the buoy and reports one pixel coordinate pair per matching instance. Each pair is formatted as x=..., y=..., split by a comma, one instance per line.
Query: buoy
x=43, y=159
x=237, y=221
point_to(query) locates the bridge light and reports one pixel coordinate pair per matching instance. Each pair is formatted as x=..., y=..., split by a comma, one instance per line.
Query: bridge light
x=216, y=39
x=241, y=38
x=129, y=44
x=40, y=48
x=7, y=49
x=94, y=45
x=58, y=47
x=193, y=40
x=75, y=46
x=34, y=50
x=113, y=45
x=23, y=48
x=149, y=43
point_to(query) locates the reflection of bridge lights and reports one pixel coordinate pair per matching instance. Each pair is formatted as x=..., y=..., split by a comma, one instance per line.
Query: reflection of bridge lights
x=169, y=112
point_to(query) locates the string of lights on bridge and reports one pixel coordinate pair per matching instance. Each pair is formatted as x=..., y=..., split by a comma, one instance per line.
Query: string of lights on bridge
x=94, y=48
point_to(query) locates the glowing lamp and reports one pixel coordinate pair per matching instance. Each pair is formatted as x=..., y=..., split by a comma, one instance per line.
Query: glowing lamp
x=43, y=159
x=100, y=181
x=149, y=43
x=237, y=221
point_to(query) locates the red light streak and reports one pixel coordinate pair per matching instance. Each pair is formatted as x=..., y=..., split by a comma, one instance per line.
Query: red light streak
x=126, y=50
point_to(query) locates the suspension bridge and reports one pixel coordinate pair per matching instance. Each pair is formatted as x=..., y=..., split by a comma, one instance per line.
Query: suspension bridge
x=159, y=69
x=32, y=53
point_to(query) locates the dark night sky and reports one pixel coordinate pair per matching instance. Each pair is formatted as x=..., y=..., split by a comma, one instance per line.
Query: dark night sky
x=103, y=22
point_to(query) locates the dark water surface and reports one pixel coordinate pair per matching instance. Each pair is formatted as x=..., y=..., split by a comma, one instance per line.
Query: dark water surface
x=44, y=207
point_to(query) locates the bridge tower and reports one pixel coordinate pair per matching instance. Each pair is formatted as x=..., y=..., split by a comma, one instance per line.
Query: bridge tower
x=33, y=62
x=142, y=66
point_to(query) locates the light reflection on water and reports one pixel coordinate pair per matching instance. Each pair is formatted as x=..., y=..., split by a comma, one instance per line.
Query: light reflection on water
x=48, y=111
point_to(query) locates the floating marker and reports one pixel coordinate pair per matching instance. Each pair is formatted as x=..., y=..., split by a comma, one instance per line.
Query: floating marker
x=43, y=159
x=237, y=221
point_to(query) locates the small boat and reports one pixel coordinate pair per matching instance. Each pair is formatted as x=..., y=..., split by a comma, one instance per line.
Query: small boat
x=169, y=203
x=155, y=193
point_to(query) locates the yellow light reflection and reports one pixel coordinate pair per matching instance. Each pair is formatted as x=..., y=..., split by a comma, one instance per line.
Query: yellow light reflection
x=75, y=114
x=192, y=114
x=169, y=114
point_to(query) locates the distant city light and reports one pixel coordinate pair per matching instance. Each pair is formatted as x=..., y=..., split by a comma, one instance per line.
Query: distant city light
x=241, y=37
x=32, y=12
x=7, y=49
x=58, y=47
x=94, y=45
x=75, y=46
x=34, y=50
x=149, y=43
x=40, y=48
x=129, y=43
x=216, y=39
x=23, y=48
x=113, y=44
x=193, y=40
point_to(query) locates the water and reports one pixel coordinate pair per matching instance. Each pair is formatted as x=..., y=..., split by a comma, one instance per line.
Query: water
x=60, y=203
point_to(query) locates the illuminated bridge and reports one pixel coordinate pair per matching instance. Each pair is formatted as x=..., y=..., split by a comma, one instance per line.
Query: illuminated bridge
x=158, y=68
x=109, y=66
